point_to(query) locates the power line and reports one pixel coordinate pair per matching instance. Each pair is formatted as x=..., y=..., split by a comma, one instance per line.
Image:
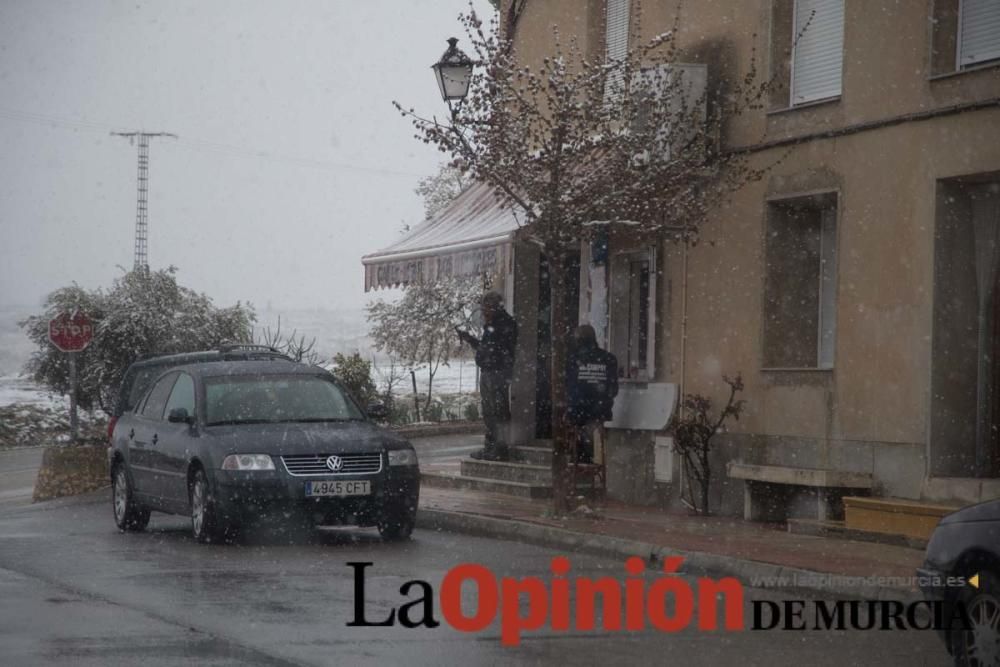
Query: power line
x=227, y=150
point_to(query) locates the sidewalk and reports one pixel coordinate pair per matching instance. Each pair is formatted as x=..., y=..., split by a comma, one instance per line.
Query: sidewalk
x=757, y=554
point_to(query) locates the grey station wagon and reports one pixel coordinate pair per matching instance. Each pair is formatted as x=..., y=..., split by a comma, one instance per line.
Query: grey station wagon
x=230, y=442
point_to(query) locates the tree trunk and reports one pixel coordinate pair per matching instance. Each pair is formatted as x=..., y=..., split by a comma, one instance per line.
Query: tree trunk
x=562, y=433
x=431, y=370
x=706, y=480
x=416, y=396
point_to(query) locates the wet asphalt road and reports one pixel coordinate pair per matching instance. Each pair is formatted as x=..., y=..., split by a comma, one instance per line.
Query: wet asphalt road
x=74, y=591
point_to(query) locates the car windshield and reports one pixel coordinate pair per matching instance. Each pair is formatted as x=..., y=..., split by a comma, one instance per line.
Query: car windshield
x=274, y=399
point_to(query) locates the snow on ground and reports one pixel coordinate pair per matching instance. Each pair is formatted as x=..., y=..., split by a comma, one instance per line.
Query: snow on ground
x=22, y=391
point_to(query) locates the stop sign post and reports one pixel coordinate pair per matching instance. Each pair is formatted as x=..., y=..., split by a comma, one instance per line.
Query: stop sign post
x=71, y=333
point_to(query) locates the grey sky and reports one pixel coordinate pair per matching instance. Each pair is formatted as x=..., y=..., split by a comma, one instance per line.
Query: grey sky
x=291, y=162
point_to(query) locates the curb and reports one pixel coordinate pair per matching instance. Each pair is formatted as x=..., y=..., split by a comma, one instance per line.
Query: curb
x=695, y=563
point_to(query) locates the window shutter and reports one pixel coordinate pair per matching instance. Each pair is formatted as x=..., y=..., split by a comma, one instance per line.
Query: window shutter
x=979, y=31
x=818, y=58
x=615, y=42
x=616, y=30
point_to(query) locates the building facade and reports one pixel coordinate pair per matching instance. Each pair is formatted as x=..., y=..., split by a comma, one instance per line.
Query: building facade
x=855, y=286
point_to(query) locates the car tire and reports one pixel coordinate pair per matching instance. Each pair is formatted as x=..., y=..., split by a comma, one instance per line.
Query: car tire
x=130, y=516
x=979, y=645
x=206, y=525
x=397, y=522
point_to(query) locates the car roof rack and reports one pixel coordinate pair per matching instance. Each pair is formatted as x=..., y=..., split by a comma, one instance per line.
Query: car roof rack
x=248, y=347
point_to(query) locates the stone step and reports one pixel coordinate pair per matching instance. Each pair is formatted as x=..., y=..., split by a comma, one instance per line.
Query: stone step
x=520, y=489
x=893, y=516
x=538, y=456
x=512, y=472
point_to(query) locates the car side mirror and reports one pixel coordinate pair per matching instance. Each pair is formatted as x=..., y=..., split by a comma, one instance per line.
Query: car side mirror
x=378, y=411
x=180, y=416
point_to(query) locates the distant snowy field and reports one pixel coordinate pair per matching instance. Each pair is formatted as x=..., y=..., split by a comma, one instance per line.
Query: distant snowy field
x=335, y=331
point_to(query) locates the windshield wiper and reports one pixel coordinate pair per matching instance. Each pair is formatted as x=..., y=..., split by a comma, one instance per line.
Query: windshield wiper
x=315, y=420
x=230, y=422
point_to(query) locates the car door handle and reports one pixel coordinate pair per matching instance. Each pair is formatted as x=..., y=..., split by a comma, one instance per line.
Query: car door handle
x=156, y=438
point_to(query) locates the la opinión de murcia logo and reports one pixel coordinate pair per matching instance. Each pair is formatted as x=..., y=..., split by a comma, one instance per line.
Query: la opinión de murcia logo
x=669, y=604
x=634, y=606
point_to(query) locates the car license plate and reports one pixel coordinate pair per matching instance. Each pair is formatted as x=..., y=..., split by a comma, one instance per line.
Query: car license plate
x=338, y=488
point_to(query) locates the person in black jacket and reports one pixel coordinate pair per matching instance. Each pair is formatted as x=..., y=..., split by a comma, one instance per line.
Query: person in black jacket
x=495, y=359
x=591, y=387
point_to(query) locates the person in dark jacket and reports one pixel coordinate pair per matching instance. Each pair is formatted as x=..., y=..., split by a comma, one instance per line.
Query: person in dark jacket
x=495, y=359
x=591, y=387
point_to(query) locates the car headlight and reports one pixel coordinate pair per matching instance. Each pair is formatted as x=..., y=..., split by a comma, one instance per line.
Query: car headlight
x=248, y=462
x=402, y=457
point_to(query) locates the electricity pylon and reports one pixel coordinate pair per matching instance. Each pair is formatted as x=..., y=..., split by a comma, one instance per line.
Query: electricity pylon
x=141, y=208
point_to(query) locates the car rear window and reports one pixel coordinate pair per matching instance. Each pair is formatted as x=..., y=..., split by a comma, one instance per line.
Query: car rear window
x=276, y=399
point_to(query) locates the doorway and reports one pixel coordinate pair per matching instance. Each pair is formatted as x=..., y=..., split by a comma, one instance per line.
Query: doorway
x=965, y=362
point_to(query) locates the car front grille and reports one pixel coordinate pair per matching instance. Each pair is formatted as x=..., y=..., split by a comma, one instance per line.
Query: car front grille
x=302, y=465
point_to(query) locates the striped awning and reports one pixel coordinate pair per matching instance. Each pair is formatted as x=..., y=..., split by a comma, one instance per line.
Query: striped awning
x=469, y=237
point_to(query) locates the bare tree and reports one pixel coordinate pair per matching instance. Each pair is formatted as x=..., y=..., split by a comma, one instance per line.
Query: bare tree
x=295, y=345
x=441, y=189
x=419, y=329
x=574, y=144
x=391, y=375
x=693, y=429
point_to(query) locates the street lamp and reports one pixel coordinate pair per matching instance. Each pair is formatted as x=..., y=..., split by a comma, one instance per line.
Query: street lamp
x=454, y=73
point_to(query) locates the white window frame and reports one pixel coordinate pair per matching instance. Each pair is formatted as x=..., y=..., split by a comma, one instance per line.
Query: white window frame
x=825, y=94
x=960, y=59
x=593, y=306
x=618, y=290
x=826, y=336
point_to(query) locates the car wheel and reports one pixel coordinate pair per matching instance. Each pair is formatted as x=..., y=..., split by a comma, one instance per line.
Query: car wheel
x=397, y=522
x=130, y=516
x=979, y=644
x=205, y=524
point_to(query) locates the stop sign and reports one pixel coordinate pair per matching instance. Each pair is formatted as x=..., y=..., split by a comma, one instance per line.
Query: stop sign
x=71, y=332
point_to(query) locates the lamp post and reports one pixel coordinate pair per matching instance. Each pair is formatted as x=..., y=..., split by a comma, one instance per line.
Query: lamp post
x=454, y=73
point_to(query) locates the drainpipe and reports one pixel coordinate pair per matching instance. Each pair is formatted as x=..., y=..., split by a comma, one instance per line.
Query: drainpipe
x=684, y=319
x=680, y=383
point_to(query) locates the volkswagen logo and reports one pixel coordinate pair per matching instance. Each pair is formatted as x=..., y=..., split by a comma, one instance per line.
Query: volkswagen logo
x=334, y=463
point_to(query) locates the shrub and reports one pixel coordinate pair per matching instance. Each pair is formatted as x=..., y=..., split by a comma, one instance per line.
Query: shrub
x=143, y=314
x=355, y=373
x=693, y=428
x=434, y=412
x=399, y=413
